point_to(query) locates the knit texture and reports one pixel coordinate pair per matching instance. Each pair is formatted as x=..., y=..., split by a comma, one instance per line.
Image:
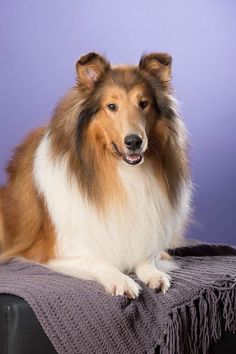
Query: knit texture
x=79, y=317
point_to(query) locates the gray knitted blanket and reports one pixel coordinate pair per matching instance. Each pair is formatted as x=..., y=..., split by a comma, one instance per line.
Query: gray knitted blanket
x=79, y=317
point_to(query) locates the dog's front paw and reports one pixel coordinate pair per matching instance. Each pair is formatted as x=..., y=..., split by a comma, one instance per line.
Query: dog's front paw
x=121, y=284
x=155, y=279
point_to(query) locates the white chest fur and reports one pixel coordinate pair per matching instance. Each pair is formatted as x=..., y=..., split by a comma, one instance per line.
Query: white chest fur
x=124, y=236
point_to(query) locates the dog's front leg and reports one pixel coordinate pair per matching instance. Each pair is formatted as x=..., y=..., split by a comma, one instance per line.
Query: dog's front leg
x=91, y=268
x=151, y=276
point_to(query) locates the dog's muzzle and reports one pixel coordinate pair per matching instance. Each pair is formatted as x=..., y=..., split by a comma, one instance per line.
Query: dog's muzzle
x=134, y=153
x=133, y=143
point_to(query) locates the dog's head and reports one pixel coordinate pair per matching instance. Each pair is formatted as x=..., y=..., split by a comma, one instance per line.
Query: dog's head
x=122, y=105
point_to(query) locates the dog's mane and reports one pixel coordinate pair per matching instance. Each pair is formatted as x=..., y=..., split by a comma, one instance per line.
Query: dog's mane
x=94, y=168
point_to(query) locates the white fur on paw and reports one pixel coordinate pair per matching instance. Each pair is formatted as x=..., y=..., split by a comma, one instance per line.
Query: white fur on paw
x=156, y=279
x=121, y=285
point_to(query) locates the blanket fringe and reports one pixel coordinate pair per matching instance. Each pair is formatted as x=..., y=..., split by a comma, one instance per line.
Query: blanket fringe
x=192, y=327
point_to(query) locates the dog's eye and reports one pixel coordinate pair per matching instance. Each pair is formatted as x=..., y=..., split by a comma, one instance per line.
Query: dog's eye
x=143, y=104
x=112, y=107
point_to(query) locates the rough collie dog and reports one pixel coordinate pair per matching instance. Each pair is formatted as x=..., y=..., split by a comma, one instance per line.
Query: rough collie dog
x=104, y=188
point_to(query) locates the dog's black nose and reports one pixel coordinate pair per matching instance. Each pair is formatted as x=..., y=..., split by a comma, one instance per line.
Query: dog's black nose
x=133, y=142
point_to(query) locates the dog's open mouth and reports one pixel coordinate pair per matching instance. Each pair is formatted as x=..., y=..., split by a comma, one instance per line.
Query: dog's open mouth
x=131, y=158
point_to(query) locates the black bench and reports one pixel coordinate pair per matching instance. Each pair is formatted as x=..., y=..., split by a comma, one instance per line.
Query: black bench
x=21, y=333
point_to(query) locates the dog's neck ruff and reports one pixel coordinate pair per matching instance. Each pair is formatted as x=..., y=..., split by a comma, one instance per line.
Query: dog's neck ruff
x=124, y=235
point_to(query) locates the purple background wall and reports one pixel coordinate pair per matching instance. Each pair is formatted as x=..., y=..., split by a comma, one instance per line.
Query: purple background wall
x=41, y=40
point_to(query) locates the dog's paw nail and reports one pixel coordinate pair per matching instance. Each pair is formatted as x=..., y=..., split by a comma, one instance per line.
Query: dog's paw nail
x=122, y=285
x=156, y=280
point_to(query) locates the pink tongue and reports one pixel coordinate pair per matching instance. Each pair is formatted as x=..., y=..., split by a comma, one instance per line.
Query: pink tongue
x=133, y=157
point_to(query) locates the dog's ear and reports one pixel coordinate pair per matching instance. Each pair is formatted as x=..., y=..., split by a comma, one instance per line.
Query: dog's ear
x=90, y=67
x=157, y=65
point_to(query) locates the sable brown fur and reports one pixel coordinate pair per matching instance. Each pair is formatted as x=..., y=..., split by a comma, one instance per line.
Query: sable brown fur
x=27, y=230
x=81, y=133
x=169, y=157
